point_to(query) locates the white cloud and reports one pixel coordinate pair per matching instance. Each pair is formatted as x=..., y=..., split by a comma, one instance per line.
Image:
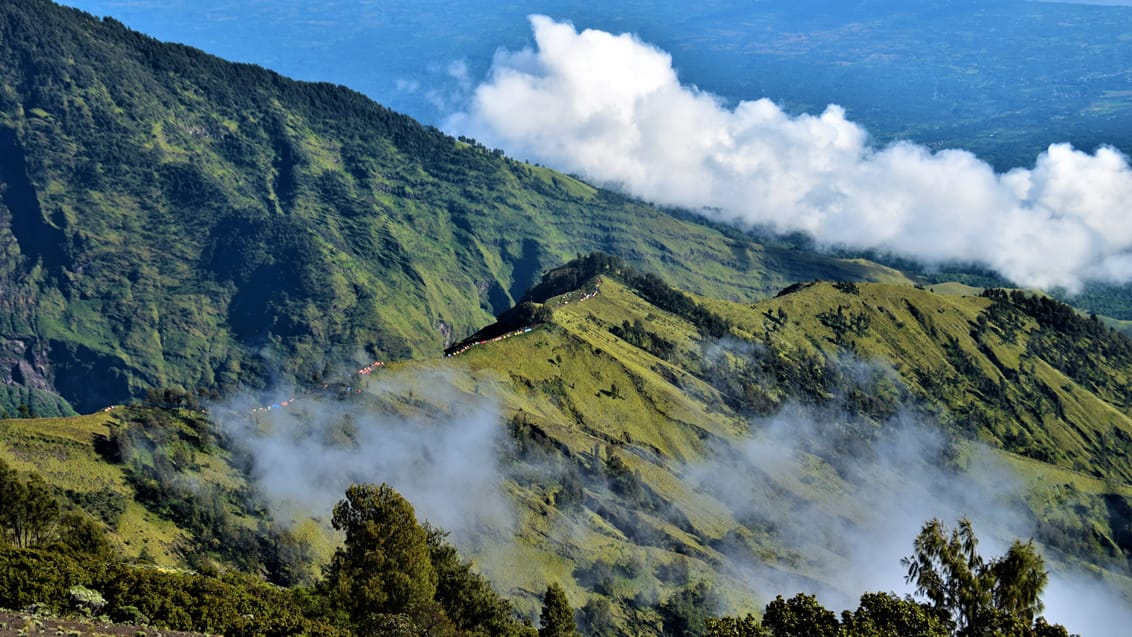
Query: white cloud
x=612, y=108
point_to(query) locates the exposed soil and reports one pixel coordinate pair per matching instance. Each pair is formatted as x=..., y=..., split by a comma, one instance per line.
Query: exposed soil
x=25, y=624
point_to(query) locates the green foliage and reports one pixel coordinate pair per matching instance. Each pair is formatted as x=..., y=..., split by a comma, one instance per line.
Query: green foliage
x=635, y=334
x=557, y=616
x=1042, y=628
x=466, y=596
x=884, y=614
x=159, y=449
x=978, y=595
x=392, y=576
x=384, y=566
x=79, y=534
x=72, y=567
x=596, y=619
x=38, y=576
x=28, y=508
x=746, y=626
x=686, y=612
x=232, y=604
x=799, y=616
x=105, y=504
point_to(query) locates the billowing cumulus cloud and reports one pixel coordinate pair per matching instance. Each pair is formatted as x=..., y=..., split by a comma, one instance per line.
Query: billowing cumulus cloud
x=612, y=108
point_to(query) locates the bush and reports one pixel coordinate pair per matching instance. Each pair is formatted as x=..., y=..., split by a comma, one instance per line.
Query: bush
x=37, y=577
x=85, y=600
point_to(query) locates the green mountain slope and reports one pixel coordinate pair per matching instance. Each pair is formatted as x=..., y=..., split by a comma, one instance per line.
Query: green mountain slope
x=164, y=487
x=1024, y=373
x=659, y=440
x=629, y=399
x=171, y=219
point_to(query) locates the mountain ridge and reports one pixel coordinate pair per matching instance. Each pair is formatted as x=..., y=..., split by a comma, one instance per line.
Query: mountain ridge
x=172, y=219
x=612, y=417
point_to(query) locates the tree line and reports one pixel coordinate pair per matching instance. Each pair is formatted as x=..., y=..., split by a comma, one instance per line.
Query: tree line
x=393, y=575
x=959, y=593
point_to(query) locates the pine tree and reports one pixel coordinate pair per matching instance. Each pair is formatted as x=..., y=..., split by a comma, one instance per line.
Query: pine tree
x=557, y=617
x=384, y=568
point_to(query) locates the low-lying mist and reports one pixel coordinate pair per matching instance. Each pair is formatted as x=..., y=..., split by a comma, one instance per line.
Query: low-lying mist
x=841, y=510
x=871, y=501
x=857, y=533
x=848, y=495
x=441, y=454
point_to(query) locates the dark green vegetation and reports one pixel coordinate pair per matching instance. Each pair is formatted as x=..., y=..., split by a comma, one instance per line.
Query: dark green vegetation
x=171, y=219
x=56, y=556
x=977, y=595
x=162, y=452
x=557, y=618
x=393, y=576
x=966, y=596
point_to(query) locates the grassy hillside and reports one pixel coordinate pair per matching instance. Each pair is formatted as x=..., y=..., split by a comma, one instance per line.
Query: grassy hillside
x=171, y=219
x=63, y=451
x=619, y=405
x=657, y=441
x=167, y=493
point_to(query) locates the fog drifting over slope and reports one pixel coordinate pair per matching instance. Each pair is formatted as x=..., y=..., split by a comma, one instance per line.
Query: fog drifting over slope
x=451, y=456
x=612, y=108
x=305, y=457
